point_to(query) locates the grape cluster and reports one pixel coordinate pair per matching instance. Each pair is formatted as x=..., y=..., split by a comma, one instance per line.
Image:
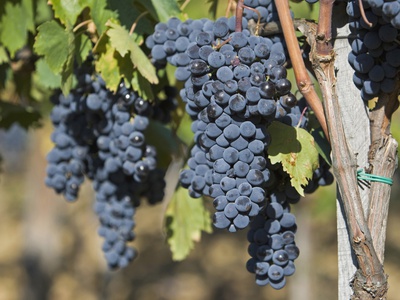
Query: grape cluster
x=388, y=10
x=231, y=102
x=235, y=85
x=272, y=247
x=102, y=135
x=375, y=55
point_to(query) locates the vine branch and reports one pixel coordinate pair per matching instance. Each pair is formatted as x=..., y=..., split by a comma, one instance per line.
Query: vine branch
x=303, y=80
x=382, y=158
x=370, y=281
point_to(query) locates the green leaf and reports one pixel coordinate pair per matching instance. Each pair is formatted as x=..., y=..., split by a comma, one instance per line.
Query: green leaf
x=83, y=46
x=166, y=9
x=3, y=55
x=295, y=149
x=67, y=73
x=52, y=42
x=185, y=219
x=142, y=86
x=125, y=43
x=28, y=9
x=68, y=10
x=12, y=113
x=43, y=12
x=100, y=15
x=46, y=76
x=14, y=26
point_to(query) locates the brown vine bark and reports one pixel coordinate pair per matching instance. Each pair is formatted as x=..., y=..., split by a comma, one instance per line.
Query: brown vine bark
x=382, y=158
x=370, y=280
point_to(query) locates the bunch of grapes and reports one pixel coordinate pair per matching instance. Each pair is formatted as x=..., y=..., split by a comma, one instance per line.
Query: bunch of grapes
x=235, y=85
x=375, y=55
x=101, y=135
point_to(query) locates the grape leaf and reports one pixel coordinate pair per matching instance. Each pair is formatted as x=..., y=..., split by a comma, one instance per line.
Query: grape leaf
x=125, y=43
x=101, y=15
x=43, y=12
x=45, y=75
x=14, y=26
x=28, y=10
x=295, y=149
x=166, y=9
x=67, y=73
x=68, y=10
x=83, y=46
x=185, y=219
x=52, y=43
x=142, y=86
x=107, y=66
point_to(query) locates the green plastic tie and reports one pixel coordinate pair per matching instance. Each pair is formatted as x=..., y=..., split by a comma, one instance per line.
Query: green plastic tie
x=361, y=175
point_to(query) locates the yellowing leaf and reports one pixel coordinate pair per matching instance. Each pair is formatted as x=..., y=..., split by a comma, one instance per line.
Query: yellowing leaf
x=185, y=219
x=107, y=66
x=295, y=149
x=125, y=43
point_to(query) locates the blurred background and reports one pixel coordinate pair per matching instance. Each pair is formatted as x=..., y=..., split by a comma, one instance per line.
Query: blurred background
x=49, y=249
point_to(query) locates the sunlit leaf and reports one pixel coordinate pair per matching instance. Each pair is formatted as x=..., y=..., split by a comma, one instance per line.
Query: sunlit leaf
x=125, y=43
x=295, y=149
x=185, y=219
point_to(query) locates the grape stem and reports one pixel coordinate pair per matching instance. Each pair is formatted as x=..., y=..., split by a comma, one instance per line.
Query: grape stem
x=228, y=8
x=80, y=25
x=183, y=6
x=136, y=22
x=239, y=15
x=257, y=28
x=303, y=80
x=362, y=11
x=370, y=280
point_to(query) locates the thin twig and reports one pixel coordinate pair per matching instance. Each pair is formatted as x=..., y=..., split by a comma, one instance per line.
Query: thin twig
x=360, y=3
x=228, y=8
x=80, y=25
x=183, y=6
x=256, y=32
x=136, y=21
